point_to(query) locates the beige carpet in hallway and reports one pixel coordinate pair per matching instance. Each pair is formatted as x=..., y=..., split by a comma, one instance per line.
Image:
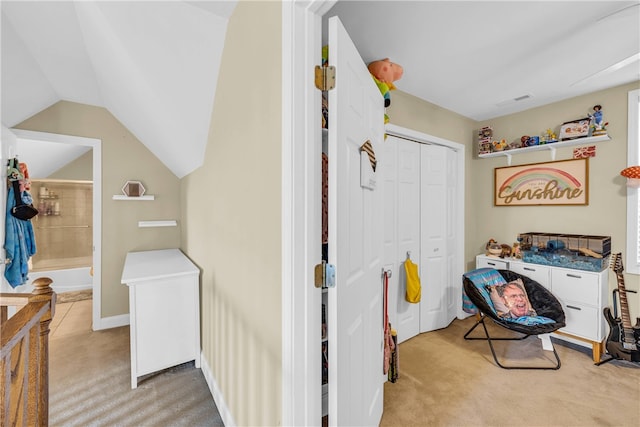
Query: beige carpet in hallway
x=444, y=381
x=90, y=382
x=448, y=381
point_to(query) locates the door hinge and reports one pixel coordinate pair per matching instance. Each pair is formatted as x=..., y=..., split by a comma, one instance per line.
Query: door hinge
x=325, y=77
x=325, y=275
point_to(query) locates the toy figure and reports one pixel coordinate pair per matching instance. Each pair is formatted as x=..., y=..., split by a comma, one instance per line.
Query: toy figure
x=597, y=116
x=384, y=73
x=499, y=145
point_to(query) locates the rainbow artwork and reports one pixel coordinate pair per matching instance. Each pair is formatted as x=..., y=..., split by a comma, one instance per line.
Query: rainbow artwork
x=555, y=183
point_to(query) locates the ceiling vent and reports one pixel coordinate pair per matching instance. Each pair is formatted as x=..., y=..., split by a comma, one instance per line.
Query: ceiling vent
x=514, y=100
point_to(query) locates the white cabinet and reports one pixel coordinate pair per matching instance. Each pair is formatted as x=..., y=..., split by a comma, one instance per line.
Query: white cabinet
x=539, y=273
x=583, y=295
x=164, y=307
x=486, y=261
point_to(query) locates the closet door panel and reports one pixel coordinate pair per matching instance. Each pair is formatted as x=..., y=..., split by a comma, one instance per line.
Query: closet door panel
x=408, y=224
x=388, y=168
x=433, y=207
x=452, y=280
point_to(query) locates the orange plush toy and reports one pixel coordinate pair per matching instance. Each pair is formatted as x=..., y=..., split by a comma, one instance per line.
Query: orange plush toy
x=384, y=73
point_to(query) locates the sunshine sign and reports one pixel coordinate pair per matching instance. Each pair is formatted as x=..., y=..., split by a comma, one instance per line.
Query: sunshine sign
x=554, y=183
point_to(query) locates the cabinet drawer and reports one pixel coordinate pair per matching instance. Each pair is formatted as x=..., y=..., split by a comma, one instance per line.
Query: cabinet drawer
x=490, y=262
x=576, y=286
x=539, y=273
x=582, y=321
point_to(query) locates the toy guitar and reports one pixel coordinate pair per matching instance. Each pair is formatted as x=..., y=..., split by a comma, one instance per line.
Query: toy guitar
x=623, y=341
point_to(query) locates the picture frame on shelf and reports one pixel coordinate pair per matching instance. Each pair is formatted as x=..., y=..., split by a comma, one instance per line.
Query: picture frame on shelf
x=575, y=129
x=560, y=183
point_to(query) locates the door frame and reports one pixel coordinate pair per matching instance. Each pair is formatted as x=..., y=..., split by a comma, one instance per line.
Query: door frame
x=96, y=146
x=301, y=209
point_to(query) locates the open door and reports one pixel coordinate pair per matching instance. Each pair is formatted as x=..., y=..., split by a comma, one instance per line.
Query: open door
x=355, y=317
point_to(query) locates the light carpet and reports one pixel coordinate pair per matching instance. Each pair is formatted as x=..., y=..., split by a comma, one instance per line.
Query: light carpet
x=90, y=385
x=448, y=381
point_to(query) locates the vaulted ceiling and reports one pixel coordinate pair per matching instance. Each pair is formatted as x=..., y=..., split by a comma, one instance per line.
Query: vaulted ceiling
x=154, y=64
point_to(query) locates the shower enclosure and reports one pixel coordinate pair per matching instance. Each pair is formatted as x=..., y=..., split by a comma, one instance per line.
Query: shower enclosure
x=64, y=233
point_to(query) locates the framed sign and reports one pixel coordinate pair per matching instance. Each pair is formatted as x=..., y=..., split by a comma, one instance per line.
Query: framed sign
x=575, y=129
x=565, y=182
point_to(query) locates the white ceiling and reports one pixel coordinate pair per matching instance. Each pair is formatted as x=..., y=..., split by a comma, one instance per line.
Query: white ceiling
x=476, y=57
x=154, y=64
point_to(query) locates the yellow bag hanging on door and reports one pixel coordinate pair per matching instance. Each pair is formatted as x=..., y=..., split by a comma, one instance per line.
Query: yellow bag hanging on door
x=413, y=282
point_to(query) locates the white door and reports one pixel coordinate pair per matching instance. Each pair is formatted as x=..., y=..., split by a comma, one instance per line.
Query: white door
x=452, y=237
x=355, y=324
x=401, y=192
x=434, y=200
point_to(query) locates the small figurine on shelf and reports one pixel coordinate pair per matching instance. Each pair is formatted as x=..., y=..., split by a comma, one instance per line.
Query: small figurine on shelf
x=484, y=139
x=549, y=137
x=598, y=126
x=499, y=145
x=597, y=115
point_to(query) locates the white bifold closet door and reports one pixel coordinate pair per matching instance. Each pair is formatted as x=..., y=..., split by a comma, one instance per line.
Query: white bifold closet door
x=420, y=191
x=438, y=237
x=401, y=172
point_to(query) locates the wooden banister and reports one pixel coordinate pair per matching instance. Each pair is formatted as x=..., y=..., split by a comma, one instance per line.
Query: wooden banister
x=24, y=356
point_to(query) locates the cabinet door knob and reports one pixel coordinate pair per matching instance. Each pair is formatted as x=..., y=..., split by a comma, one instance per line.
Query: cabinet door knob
x=529, y=269
x=573, y=307
x=575, y=276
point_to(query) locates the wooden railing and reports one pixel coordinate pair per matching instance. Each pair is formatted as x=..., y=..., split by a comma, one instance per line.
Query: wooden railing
x=24, y=361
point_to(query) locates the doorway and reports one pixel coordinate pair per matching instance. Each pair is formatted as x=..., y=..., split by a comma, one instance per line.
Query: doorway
x=301, y=379
x=75, y=148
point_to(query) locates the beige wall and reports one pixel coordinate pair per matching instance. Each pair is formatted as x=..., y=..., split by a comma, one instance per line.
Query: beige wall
x=78, y=169
x=123, y=158
x=606, y=212
x=231, y=219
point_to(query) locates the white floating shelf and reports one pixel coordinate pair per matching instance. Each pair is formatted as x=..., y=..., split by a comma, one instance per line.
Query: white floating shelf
x=123, y=197
x=550, y=147
x=163, y=223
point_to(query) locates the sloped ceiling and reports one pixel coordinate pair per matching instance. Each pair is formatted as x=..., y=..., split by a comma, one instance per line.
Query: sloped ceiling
x=153, y=65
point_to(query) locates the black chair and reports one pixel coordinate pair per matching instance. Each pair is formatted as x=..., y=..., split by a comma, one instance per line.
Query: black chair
x=542, y=300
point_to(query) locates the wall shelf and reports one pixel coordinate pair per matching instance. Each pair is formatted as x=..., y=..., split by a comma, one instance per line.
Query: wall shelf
x=550, y=147
x=162, y=223
x=123, y=197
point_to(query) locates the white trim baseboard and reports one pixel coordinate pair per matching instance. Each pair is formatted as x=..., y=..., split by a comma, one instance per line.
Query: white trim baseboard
x=217, y=395
x=111, y=322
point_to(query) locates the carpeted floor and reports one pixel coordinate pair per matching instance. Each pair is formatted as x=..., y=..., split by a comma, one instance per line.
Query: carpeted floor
x=90, y=380
x=448, y=381
x=444, y=381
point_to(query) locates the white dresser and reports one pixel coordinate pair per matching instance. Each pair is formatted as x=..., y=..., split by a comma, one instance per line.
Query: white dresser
x=583, y=295
x=164, y=306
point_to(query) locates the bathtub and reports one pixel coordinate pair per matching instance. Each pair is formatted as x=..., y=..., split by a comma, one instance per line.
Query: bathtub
x=71, y=279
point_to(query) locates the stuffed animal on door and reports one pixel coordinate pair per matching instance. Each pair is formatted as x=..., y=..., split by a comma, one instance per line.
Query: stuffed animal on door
x=384, y=73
